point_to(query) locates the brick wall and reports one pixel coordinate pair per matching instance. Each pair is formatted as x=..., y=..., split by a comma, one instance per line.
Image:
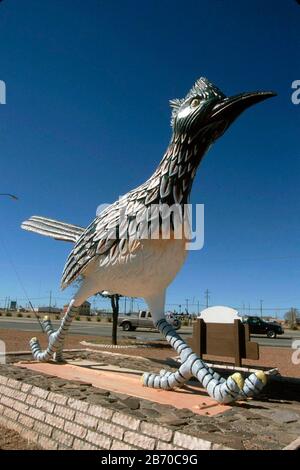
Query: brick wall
x=56, y=421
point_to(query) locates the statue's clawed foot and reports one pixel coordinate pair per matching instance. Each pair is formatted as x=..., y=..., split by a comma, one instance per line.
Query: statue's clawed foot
x=253, y=385
x=222, y=390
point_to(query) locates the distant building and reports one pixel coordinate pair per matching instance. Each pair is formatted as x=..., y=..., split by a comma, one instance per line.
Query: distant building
x=13, y=305
x=21, y=309
x=48, y=309
x=84, y=309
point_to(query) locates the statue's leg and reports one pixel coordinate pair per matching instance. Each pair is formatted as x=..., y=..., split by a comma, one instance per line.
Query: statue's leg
x=222, y=390
x=57, y=337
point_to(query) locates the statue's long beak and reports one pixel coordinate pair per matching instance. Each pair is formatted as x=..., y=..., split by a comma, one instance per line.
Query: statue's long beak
x=230, y=108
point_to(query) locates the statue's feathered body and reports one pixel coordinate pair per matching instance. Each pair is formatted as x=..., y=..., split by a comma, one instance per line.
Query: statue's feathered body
x=123, y=250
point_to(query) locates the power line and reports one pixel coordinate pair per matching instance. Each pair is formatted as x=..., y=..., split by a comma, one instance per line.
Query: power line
x=20, y=282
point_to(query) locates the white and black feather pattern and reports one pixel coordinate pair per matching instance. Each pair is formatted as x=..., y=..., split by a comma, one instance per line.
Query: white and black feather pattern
x=170, y=184
x=53, y=228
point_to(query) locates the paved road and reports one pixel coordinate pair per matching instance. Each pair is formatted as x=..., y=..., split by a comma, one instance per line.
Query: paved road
x=104, y=329
x=83, y=328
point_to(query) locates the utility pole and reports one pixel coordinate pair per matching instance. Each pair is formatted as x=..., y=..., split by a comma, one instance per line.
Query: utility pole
x=187, y=305
x=50, y=300
x=261, y=308
x=294, y=316
x=198, y=309
x=207, y=295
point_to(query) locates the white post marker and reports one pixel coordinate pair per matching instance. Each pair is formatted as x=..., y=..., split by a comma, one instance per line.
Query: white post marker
x=2, y=352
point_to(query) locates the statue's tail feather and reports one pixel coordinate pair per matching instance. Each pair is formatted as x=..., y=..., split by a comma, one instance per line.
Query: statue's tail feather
x=53, y=228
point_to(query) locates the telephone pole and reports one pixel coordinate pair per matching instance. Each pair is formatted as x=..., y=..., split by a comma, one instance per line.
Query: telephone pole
x=207, y=296
x=261, y=308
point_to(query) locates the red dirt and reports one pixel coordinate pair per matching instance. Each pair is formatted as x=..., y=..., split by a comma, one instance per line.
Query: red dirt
x=269, y=357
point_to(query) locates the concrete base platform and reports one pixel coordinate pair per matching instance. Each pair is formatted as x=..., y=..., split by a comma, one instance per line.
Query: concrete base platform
x=128, y=382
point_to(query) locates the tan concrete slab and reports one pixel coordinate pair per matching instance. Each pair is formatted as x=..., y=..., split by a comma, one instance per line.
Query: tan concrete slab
x=192, y=397
x=100, y=366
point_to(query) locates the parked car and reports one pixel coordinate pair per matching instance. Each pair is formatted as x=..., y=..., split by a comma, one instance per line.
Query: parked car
x=262, y=327
x=143, y=320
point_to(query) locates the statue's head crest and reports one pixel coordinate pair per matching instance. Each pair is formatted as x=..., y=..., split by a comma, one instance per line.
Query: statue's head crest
x=203, y=89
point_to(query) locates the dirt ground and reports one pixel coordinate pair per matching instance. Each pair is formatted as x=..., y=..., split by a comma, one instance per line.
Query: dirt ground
x=11, y=440
x=19, y=340
x=269, y=357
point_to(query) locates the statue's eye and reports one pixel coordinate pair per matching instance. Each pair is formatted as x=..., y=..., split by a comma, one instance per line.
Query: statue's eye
x=195, y=102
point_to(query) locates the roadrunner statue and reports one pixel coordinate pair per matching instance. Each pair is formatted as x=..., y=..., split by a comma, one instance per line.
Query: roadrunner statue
x=115, y=252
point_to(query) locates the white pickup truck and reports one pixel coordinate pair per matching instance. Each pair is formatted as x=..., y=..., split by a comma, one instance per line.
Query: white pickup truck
x=143, y=320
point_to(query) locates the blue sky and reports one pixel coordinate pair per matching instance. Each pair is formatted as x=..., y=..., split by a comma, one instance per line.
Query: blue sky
x=87, y=119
